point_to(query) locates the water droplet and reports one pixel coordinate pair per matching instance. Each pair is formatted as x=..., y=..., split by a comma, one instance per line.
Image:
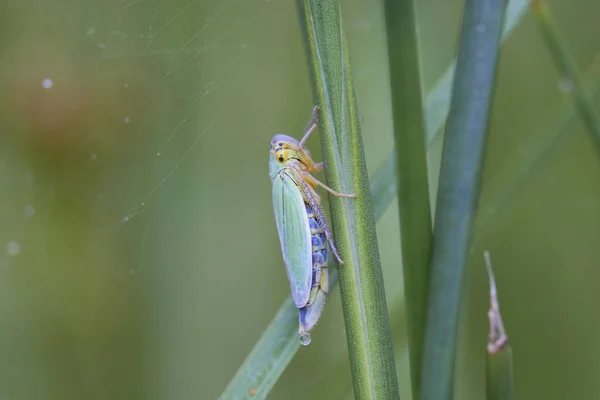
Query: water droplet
x=126, y=120
x=94, y=156
x=47, y=83
x=480, y=28
x=13, y=248
x=305, y=339
x=126, y=219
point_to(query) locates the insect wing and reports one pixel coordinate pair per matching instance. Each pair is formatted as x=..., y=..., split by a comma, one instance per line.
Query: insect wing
x=294, y=235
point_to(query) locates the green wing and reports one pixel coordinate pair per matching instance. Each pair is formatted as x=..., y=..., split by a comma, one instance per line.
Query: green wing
x=294, y=235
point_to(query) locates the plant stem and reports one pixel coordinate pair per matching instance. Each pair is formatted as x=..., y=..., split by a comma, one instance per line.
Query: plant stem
x=411, y=172
x=361, y=279
x=458, y=191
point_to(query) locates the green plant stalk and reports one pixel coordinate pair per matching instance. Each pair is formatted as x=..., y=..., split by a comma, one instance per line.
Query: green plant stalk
x=411, y=171
x=265, y=363
x=361, y=279
x=460, y=176
x=499, y=375
x=566, y=64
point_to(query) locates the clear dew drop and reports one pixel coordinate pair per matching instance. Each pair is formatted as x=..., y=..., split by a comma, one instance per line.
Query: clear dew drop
x=305, y=339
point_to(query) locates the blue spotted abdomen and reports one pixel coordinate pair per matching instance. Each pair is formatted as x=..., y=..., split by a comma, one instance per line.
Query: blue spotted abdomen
x=310, y=313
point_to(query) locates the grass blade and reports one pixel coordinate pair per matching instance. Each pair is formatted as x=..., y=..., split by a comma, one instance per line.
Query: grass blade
x=499, y=375
x=252, y=379
x=411, y=172
x=560, y=51
x=361, y=279
x=499, y=372
x=458, y=191
x=265, y=363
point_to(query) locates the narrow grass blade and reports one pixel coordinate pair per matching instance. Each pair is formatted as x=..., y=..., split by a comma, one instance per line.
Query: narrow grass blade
x=499, y=374
x=265, y=363
x=361, y=279
x=411, y=172
x=273, y=346
x=458, y=191
x=560, y=51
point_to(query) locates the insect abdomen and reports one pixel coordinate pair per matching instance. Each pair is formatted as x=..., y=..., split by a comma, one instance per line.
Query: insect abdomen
x=310, y=313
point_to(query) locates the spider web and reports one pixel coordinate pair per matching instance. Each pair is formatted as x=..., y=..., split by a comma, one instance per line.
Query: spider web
x=151, y=104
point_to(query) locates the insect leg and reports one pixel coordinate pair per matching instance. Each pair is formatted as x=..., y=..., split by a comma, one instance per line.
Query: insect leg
x=314, y=180
x=312, y=198
x=312, y=125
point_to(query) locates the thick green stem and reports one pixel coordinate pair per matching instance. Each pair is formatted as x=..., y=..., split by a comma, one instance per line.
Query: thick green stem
x=458, y=191
x=361, y=279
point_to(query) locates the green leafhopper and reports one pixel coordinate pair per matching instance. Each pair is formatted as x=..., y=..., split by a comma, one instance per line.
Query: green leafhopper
x=303, y=230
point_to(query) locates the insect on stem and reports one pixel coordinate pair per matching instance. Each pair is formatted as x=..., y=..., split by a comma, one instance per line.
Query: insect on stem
x=302, y=226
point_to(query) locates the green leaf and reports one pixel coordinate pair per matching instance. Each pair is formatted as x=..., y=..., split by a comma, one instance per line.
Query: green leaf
x=361, y=279
x=411, y=172
x=458, y=191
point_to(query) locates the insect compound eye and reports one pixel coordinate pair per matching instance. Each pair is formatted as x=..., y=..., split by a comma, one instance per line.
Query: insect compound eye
x=280, y=155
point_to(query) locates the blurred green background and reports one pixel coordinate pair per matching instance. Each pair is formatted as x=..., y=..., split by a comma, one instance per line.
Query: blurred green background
x=139, y=252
